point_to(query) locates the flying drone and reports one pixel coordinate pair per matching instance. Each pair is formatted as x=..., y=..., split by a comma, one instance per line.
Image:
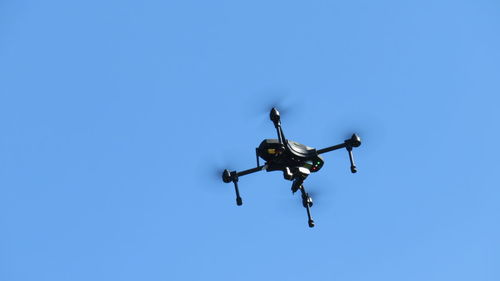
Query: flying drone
x=295, y=160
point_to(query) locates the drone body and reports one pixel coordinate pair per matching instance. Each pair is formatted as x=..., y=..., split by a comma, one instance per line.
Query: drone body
x=295, y=160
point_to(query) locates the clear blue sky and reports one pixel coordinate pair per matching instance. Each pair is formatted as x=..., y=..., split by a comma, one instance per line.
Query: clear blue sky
x=114, y=115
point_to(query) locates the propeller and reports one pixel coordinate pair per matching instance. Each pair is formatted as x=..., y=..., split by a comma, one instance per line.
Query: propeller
x=321, y=191
x=370, y=129
x=288, y=106
x=212, y=167
x=323, y=195
x=279, y=101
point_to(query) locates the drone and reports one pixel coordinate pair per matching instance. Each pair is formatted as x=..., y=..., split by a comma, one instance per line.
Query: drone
x=295, y=160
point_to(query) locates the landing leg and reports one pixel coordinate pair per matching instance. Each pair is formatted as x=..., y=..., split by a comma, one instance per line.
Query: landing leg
x=307, y=203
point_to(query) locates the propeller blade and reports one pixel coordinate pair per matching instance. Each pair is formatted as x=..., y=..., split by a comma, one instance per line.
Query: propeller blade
x=286, y=104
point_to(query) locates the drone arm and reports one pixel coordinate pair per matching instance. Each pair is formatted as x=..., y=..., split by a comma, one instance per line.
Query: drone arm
x=354, y=141
x=332, y=148
x=250, y=171
x=233, y=176
x=339, y=146
x=281, y=136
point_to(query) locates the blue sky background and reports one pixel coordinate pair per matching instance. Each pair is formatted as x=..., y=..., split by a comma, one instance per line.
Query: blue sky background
x=114, y=116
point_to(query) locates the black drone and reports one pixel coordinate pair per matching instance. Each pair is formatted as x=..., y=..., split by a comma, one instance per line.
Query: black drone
x=295, y=160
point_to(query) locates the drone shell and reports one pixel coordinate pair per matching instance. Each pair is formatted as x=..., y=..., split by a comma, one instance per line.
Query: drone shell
x=294, y=154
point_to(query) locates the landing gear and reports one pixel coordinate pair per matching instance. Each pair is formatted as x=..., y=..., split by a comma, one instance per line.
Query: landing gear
x=227, y=177
x=307, y=202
